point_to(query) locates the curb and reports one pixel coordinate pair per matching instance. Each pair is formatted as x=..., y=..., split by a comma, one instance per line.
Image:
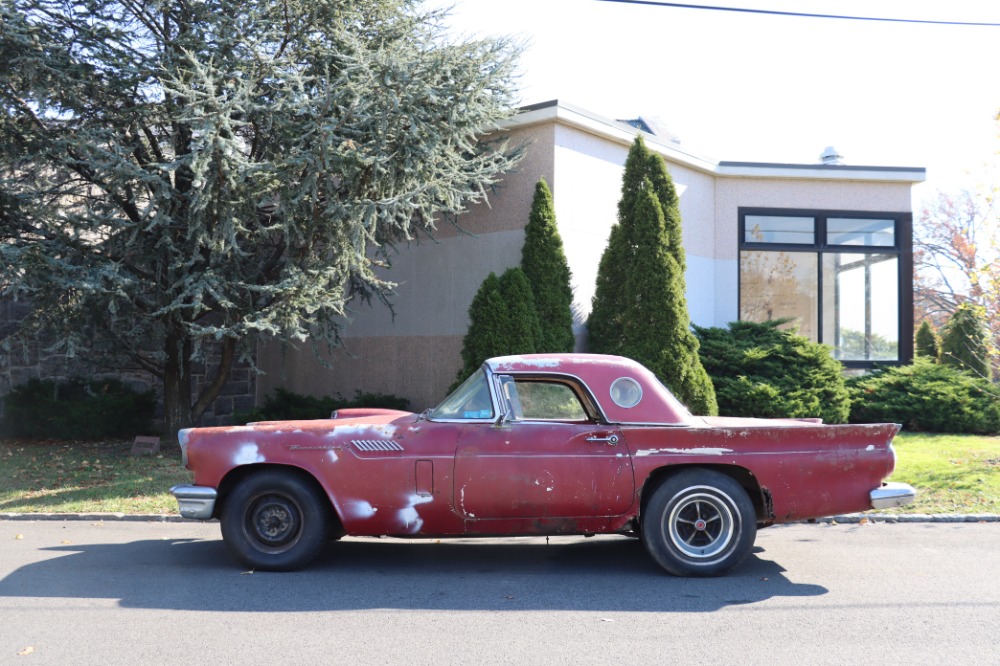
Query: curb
x=847, y=519
x=856, y=518
x=100, y=517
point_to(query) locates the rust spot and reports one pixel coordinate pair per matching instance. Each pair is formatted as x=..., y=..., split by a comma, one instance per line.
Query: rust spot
x=555, y=526
x=768, y=501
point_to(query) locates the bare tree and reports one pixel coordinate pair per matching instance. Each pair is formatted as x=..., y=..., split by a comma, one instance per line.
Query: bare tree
x=957, y=259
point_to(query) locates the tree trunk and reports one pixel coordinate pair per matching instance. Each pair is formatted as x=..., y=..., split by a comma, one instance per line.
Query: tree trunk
x=177, y=412
x=212, y=388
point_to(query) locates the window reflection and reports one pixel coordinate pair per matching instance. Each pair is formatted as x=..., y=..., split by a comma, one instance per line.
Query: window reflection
x=775, y=285
x=835, y=275
x=860, y=231
x=779, y=229
x=860, y=306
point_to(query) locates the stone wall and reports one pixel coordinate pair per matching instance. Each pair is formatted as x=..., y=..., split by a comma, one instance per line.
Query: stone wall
x=22, y=362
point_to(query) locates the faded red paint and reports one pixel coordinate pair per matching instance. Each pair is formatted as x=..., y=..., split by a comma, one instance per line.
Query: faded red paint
x=396, y=473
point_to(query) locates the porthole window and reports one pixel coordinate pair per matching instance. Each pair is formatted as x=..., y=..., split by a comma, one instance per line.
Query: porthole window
x=626, y=392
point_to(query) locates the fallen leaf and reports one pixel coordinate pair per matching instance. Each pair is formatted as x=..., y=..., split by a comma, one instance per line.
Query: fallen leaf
x=66, y=542
x=606, y=619
x=26, y=651
x=863, y=521
x=247, y=573
x=18, y=537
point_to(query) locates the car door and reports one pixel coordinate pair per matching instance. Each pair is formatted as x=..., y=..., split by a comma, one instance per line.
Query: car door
x=548, y=460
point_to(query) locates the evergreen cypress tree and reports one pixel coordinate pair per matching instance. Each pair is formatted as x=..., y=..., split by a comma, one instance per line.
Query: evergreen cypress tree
x=544, y=264
x=521, y=328
x=607, y=311
x=964, y=341
x=927, y=342
x=640, y=308
x=487, y=324
x=502, y=321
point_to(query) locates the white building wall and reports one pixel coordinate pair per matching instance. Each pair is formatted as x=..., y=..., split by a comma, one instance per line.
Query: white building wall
x=586, y=191
x=734, y=193
x=416, y=354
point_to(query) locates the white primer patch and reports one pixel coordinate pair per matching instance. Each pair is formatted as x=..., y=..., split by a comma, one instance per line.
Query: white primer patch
x=689, y=452
x=381, y=431
x=359, y=509
x=871, y=447
x=248, y=454
x=411, y=520
x=332, y=455
x=241, y=428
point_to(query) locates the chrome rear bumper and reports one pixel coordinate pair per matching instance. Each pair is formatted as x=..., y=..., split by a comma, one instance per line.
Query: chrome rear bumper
x=196, y=502
x=892, y=494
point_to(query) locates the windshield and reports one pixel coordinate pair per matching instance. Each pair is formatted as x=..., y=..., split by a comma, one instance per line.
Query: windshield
x=471, y=400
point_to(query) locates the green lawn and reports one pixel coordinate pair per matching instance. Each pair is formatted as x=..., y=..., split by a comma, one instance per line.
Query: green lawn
x=85, y=477
x=952, y=473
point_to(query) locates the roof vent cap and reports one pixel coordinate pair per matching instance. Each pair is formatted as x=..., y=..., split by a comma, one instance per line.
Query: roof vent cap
x=831, y=156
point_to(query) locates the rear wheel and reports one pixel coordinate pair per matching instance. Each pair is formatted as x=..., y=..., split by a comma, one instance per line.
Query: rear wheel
x=275, y=520
x=699, y=523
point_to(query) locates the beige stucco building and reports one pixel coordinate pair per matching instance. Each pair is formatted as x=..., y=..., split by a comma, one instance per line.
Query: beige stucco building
x=826, y=243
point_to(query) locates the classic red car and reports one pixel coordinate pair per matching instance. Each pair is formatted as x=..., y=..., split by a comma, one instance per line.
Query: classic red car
x=534, y=445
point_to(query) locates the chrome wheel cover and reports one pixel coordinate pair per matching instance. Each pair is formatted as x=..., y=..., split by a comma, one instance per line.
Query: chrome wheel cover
x=701, y=524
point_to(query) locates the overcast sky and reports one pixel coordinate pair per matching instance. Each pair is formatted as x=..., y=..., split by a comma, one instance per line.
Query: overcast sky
x=753, y=87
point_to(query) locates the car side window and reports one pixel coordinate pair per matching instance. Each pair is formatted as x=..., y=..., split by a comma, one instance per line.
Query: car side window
x=471, y=400
x=548, y=401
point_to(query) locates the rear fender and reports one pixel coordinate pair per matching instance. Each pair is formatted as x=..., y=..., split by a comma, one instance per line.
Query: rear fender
x=759, y=496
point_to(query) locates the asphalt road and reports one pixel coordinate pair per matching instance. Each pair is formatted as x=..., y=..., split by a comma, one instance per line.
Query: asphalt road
x=87, y=592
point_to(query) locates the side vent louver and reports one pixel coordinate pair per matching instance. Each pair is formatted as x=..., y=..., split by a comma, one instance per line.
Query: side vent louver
x=376, y=445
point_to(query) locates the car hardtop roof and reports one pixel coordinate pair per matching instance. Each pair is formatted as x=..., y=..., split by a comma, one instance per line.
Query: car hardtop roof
x=564, y=363
x=600, y=372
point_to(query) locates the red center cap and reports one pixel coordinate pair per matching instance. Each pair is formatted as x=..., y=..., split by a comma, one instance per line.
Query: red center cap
x=700, y=524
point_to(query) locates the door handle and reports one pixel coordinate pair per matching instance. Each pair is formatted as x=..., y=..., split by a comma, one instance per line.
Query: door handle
x=610, y=440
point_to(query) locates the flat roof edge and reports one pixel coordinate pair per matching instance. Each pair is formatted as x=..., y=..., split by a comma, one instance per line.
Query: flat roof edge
x=823, y=171
x=569, y=114
x=620, y=132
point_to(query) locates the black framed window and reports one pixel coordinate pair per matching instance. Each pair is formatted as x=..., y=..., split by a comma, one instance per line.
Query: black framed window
x=844, y=277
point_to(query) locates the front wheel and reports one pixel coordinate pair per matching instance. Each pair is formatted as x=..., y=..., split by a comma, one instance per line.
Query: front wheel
x=699, y=523
x=275, y=520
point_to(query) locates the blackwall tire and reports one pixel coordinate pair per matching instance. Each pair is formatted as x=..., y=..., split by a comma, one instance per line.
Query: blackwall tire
x=699, y=522
x=275, y=520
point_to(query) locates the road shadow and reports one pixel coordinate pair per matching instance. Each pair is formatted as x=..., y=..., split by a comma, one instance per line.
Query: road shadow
x=598, y=574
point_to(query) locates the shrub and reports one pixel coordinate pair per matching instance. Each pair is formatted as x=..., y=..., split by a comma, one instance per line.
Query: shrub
x=964, y=341
x=77, y=409
x=927, y=396
x=284, y=405
x=760, y=370
x=927, y=345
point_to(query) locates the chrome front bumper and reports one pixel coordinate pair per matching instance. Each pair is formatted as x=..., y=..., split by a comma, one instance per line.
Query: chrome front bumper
x=892, y=494
x=196, y=502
